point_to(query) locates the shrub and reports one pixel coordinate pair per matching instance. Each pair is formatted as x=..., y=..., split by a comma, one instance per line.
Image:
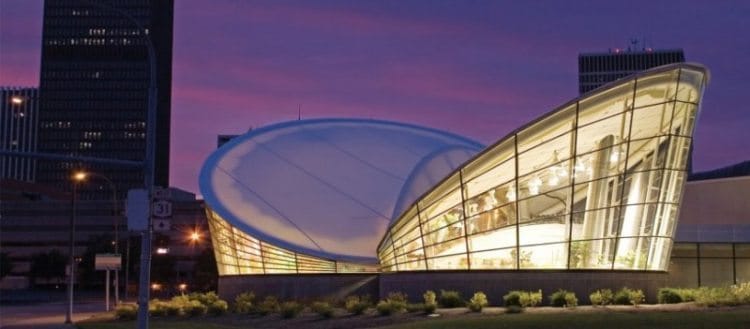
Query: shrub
x=207, y=298
x=523, y=298
x=290, y=310
x=397, y=300
x=357, y=304
x=269, y=305
x=601, y=297
x=323, y=309
x=563, y=298
x=195, y=308
x=530, y=299
x=218, y=307
x=687, y=295
x=430, y=308
x=450, y=299
x=722, y=296
x=157, y=308
x=126, y=312
x=384, y=308
x=637, y=297
x=622, y=296
x=429, y=297
x=412, y=308
x=668, y=296
x=742, y=292
x=478, y=302
x=513, y=298
x=243, y=303
x=514, y=309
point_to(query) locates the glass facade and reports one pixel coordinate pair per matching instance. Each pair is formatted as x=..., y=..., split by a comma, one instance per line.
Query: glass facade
x=595, y=184
x=238, y=253
x=709, y=264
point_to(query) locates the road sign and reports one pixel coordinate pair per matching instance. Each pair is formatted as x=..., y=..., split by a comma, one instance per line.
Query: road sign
x=137, y=210
x=107, y=262
x=162, y=209
x=162, y=225
x=162, y=193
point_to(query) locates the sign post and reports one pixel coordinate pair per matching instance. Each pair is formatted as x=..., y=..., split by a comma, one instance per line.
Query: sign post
x=107, y=262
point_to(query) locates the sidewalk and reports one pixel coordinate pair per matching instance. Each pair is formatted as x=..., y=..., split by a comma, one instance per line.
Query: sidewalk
x=46, y=315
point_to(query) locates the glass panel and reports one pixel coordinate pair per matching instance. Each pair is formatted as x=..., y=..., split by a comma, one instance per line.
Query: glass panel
x=656, y=88
x=446, y=195
x=545, y=179
x=453, y=217
x=451, y=200
x=716, y=272
x=603, y=134
x=684, y=118
x=501, y=153
x=494, y=259
x=603, y=163
x=647, y=154
x=683, y=272
x=658, y=258
x=554, y=229
x=605, y=104
x=500, y=238
x=453, y=262
x=501, y=174
x=651, y=121
x=549, y=256
x=492, y=219
x=555, y=125
x=597, y=194
x=595, y=224
x=632, y=253
x=592, y=254
x=691, y=83
x=715, y=250
x=678, y=156
x=545, y=206
x=544, y=155
x=447, y=247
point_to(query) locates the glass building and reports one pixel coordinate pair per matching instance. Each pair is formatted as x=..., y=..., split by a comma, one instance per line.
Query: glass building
x=595, y=184
x=316, y=196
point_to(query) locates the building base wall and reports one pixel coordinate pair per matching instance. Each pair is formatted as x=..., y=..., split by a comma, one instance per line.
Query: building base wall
x=299, y=287
x=495, y=284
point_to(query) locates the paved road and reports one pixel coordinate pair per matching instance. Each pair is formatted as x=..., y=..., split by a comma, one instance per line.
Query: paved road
x=46, y=315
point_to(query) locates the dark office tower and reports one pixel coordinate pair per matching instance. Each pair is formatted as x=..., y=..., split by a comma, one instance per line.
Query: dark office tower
x=18, y=131
x=94, y=90
x=596, y=69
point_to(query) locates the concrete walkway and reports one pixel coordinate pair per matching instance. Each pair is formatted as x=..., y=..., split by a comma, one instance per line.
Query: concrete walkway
x=46, y=315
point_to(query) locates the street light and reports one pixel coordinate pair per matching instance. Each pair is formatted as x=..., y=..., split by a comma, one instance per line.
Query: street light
x=81, y=176
x=77, y=178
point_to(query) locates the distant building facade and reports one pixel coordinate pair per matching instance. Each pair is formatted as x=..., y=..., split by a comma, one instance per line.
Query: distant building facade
x=18, y=131
x=94, y=89
x=596, y=69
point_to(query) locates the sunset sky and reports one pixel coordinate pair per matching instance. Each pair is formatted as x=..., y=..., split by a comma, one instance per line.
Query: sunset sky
x=475, y=68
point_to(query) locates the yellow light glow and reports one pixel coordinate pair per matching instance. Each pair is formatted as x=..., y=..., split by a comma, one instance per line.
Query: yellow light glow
x=16, y=100
x=195, y=236
x=79, y=176
x=182, y=286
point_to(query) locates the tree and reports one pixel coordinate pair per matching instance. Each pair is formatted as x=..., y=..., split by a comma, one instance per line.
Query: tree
x=5, y=265
x=48, y=265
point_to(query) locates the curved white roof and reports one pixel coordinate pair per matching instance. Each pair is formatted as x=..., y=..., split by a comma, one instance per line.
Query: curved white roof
x=327, y=187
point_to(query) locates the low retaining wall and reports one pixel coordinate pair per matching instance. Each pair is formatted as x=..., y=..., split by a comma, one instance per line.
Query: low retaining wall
x=299, y=287
x=495, y=284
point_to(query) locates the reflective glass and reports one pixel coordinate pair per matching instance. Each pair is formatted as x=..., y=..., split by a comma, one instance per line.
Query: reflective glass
x=691, y=85
x=548, y=128
x=548, y=256
x=592, y=254
x=494, y=259
x=545, y=154
x=603, y=133
x=656, y=88
x=605, y=104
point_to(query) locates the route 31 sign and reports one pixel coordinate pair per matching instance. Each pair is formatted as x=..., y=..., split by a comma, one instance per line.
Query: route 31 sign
x=162, y=209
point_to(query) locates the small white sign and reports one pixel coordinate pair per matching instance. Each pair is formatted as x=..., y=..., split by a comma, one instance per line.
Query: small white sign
x=162, y=208
x=107, y=262
x=161, y=225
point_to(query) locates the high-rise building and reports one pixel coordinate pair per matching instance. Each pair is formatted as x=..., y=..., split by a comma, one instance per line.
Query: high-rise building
x=94, y=89
x=18, y=131
x=596, y=69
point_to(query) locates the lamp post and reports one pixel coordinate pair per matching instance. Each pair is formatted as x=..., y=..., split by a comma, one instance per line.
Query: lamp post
x=149, y=161
x=77, y=178
x=83, y=175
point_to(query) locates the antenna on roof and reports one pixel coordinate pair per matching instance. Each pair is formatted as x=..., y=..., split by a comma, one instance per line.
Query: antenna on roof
x=299, y=112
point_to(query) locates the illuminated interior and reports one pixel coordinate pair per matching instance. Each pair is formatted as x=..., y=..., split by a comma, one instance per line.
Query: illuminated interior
x=595, y=184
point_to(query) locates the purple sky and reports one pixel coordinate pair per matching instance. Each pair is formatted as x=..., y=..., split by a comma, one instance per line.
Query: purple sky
x=476, y=68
